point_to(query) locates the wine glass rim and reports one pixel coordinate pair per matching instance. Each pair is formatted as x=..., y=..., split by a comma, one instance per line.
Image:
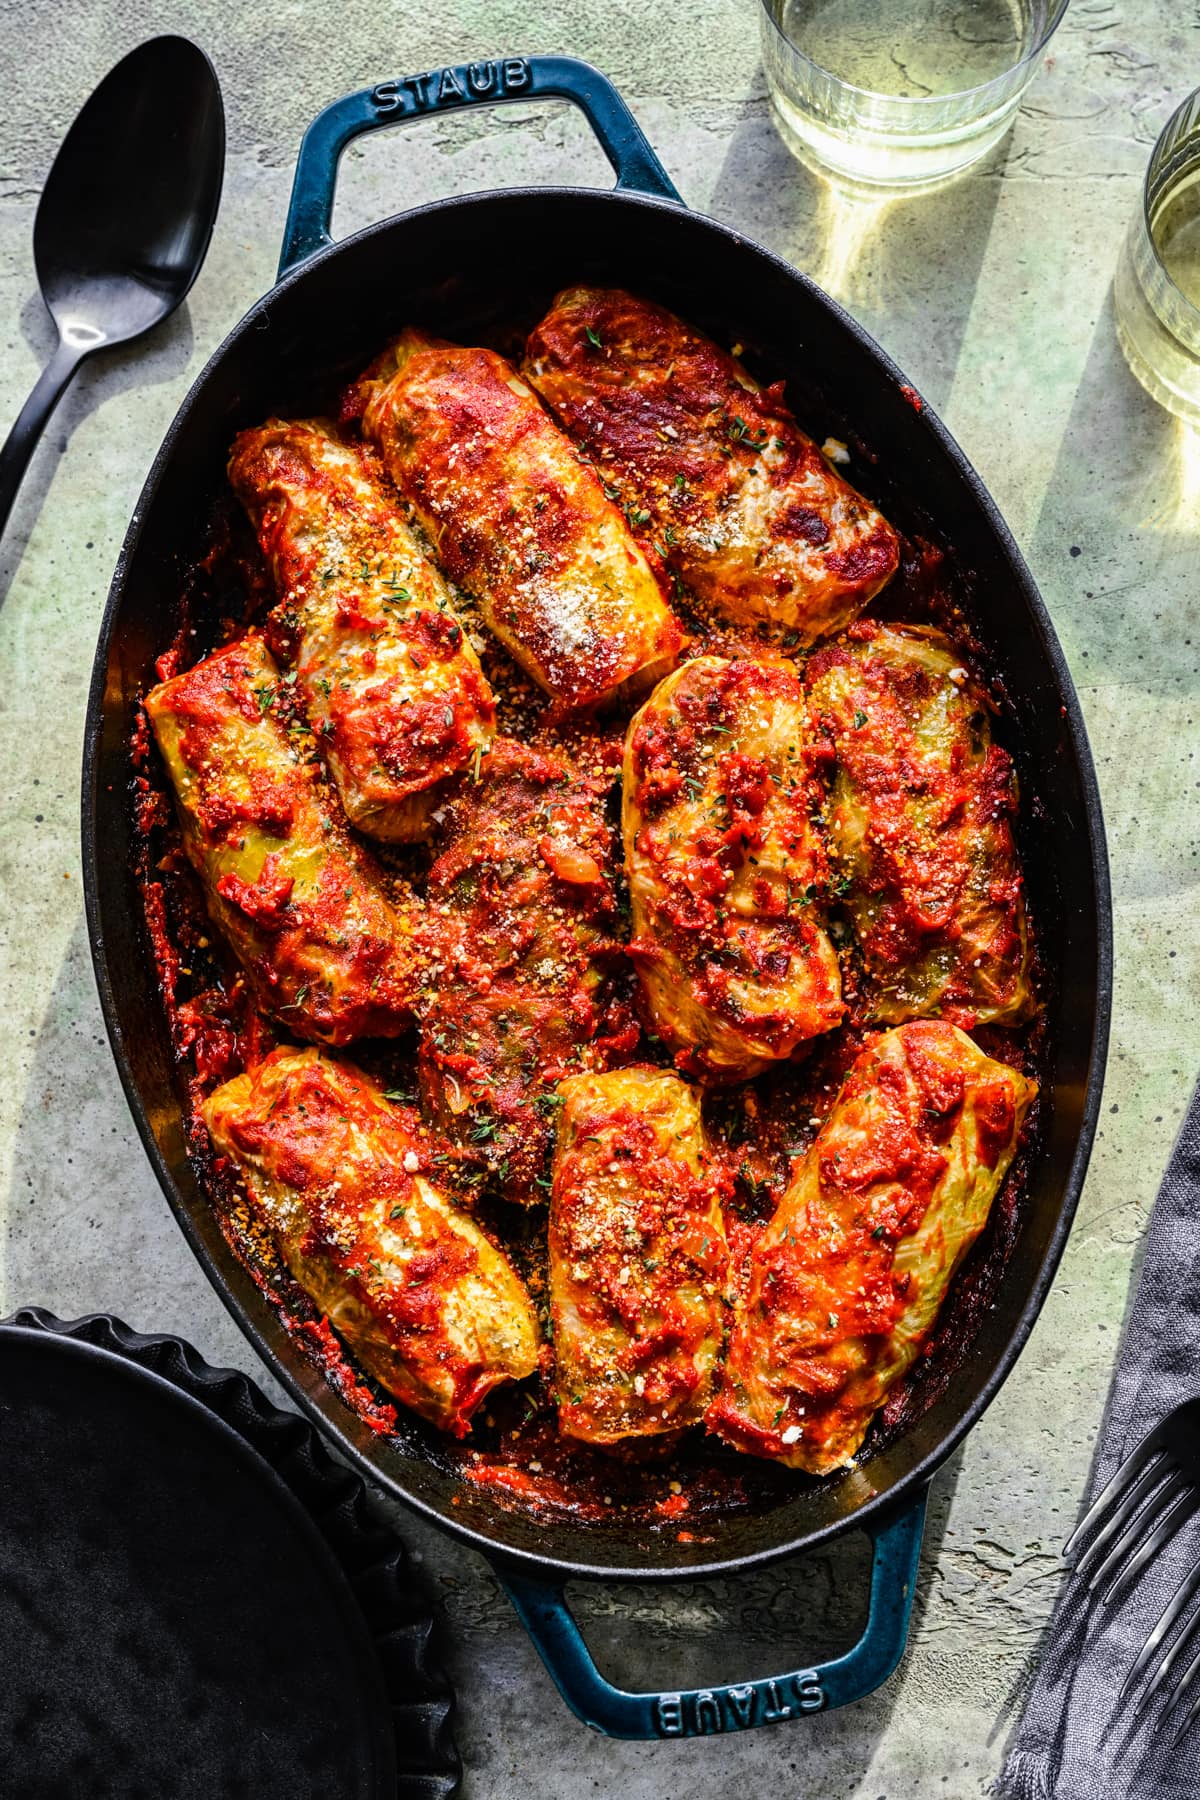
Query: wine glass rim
x=1054, y=18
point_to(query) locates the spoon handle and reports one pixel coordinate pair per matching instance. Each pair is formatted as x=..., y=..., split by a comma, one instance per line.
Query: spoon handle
x=32, y=421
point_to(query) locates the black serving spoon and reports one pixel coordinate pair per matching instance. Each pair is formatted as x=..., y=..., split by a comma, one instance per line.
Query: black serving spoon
x=124, y=220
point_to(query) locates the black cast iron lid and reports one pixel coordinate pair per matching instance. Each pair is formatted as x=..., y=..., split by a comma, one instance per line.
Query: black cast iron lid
x=181, y=1568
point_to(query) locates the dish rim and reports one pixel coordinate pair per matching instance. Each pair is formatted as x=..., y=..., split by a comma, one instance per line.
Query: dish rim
x=308, y=1395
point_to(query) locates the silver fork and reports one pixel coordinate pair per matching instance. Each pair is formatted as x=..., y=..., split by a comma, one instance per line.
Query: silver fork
x=1156, y=1489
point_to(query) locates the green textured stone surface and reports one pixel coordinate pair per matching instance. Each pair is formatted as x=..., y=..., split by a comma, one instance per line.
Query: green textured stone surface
x=995, y=296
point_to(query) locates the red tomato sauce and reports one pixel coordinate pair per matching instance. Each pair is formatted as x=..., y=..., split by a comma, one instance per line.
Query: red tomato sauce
x=514, y=1451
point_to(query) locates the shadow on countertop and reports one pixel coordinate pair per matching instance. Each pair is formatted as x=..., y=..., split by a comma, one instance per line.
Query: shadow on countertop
x=665, y=1637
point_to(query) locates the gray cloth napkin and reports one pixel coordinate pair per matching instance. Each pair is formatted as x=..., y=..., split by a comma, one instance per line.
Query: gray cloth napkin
x=1073, y=1743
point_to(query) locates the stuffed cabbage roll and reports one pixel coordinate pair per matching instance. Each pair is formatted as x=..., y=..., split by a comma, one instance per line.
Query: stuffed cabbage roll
x=846, y=1280
x=428, y=1304
x=390, y=683
x=521, y=909
x=920, y=827
x=742, y=506
x=519, y=520
x=726, y=874
x=637, y=1257
x=302, y=906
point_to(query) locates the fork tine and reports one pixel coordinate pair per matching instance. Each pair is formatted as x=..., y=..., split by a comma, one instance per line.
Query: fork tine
x=1128, y=1472
x=1155, y=1472
x=1183, y=1594
x=1170, y=1613
x=1168, y=1524
x=1185, y=1681
x=1136, y=1529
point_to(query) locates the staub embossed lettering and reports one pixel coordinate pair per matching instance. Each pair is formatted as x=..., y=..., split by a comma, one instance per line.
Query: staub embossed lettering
x=452, y=87
x=738, y=1708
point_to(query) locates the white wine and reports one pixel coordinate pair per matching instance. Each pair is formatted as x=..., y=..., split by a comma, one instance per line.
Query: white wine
x=913, y=49
x=1177, y=239
x=1156, y=288
x=900, y=94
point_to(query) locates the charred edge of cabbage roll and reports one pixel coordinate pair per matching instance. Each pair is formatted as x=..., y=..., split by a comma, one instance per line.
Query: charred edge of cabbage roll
x=743, y=507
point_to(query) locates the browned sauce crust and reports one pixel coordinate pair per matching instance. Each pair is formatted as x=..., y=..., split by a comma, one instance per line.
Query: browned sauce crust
x=517, y=518
x=739, y=502
x=515, y=992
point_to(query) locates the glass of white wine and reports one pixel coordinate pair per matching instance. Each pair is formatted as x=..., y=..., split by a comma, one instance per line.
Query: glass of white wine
x=1156, y=291
x=900, y=94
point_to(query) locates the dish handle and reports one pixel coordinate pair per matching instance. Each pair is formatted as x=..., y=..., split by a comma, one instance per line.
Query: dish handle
x=495, y=82
x=542, y=1608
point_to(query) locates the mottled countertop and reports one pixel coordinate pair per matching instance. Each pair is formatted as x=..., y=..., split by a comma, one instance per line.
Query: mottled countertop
x=996, y=297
